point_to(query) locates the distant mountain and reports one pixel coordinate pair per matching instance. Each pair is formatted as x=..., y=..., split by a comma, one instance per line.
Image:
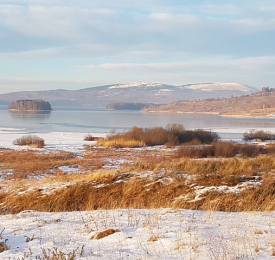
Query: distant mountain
x=135, y=92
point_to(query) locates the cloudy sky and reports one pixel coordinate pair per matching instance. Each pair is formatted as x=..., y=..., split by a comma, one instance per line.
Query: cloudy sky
x=50, y=44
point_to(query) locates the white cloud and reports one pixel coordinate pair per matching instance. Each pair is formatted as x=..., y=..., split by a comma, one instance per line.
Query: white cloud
x=54, y=22
x=246, y=70
x=244, y=63
x=220, y=9
x=34, y=84
x=255, y=25
x=32, y=54
x=173, y=41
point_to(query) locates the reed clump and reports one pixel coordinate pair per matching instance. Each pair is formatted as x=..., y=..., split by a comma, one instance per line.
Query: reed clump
x=173, y=134
x=120, y=143
x=222, y=149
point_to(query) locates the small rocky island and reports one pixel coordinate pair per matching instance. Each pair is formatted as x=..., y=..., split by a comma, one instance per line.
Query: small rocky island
x=30, y=105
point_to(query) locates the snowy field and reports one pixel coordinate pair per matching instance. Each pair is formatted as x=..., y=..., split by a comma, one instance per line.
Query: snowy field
x=66, y=141
x=139, y=234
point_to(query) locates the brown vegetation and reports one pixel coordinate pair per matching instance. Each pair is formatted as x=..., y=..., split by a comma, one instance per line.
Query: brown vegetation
x=30, y=140
x=3, y=247
x=260, y=135
x=120, y=143
x=104, y=233
x=223, y=149
x=89, y=137
x=173, y=134
x=55, y=254
x=140, y=178
x=151, y=179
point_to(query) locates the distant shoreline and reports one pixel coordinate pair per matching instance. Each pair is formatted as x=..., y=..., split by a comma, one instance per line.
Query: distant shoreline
x=213, y=113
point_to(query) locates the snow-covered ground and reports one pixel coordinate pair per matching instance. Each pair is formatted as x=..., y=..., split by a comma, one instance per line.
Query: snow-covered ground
x=139, y=234
x=67, y=141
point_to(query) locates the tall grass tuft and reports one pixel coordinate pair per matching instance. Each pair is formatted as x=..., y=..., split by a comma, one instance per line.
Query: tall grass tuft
x=120, y=143
x=221, y=149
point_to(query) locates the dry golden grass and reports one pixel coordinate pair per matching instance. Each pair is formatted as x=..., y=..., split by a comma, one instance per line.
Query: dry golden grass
x=104, y=233
x=120, y=143
x=24, y=163
x=169, y=183
x=153, y=239
x=55, y=254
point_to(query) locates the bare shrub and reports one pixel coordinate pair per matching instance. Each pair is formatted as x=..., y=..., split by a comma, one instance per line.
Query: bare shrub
x=196, y=151
x=220, y=149
x=270, y=149
x=31, y=140
x=193, y=142
x=260, y=134
x=225, y=149
x=249, y=150
x=155, y=136
x=173, y=134
x=201, y=135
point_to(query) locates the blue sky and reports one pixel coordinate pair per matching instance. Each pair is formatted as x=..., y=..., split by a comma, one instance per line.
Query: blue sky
x=77, y=44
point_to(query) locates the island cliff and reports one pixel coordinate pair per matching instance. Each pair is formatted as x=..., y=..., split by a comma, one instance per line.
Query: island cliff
x=30, y=105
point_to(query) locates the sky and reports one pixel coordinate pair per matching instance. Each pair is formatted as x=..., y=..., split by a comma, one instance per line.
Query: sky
x=77, y=44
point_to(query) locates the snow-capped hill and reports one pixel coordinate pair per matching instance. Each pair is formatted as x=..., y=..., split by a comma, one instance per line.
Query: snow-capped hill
x=133, y=92
x=137, y=85
x=217, y=86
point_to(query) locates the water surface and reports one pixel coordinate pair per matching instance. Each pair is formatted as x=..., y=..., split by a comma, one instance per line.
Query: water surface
x=101, y=121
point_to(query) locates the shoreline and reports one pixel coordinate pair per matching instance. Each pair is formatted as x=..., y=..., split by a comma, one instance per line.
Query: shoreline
x=213, y=113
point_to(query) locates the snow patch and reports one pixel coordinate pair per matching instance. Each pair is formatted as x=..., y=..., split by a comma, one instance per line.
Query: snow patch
x=219, y=86
x=136, y=85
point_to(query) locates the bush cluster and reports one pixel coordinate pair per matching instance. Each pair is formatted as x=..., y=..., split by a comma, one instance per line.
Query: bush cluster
x=173, y=134
x=89, y=137
x=260, y=134
x=222, y=149
x=31, y=140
